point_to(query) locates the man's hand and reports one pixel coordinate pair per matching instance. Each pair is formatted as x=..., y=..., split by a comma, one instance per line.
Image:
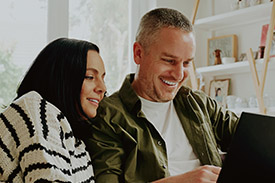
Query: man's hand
x=202, y=174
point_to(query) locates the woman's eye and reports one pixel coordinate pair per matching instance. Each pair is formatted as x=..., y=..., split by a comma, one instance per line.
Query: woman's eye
x=89, y=77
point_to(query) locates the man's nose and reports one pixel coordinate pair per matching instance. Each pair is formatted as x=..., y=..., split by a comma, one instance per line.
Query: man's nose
x=178, y=72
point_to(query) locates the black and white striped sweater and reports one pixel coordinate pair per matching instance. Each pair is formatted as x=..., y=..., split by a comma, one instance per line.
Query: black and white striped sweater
x=37, y=144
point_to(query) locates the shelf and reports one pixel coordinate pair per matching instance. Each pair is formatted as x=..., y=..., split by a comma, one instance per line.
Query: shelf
x=238, y=111
x=242, y=22
x=235, y=17
x=233, y=68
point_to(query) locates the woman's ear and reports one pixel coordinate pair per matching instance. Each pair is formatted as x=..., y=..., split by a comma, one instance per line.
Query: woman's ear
x=138, y=52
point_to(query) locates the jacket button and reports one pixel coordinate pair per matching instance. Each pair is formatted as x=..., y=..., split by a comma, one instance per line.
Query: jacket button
x=164, y=166
x=159, y=143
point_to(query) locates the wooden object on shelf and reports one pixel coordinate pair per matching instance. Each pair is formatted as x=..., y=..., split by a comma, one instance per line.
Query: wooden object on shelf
x=192, y=68
x=195, y=10
x=218, y=59
x=256, y=81
x=259, y=85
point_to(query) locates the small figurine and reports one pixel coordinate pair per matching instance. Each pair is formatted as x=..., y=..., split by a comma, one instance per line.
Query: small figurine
x=261, y=52
x=217, y=54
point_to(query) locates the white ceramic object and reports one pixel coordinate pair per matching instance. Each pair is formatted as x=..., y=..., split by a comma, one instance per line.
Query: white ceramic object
x=243, y=4
x=254, y=2
x=228, y=60
x=230, y=101
x=240, y=102
x=234, y=4
x=252, y=102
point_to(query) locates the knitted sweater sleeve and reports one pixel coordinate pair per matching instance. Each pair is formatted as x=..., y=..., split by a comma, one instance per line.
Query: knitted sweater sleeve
x=37, y=144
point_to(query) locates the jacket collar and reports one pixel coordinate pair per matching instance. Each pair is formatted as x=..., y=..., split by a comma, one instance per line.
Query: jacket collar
x=128, y=96
x=130, y=99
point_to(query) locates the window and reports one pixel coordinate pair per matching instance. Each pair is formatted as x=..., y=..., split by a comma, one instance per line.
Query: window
x=23, y=33
x=27, y=26
x=104, y=23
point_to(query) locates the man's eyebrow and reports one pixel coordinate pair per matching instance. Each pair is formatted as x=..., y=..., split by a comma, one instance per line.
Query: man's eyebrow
x=169, y=55
x=190, y=59
x=173, y=56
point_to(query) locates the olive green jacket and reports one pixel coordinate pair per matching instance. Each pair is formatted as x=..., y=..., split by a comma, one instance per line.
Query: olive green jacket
x=125, y=146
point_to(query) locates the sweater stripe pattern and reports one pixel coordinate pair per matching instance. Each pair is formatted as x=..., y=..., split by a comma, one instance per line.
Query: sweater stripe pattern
x=38, y=145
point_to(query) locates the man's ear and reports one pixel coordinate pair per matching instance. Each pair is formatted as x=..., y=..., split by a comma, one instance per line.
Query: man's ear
x=138, y=52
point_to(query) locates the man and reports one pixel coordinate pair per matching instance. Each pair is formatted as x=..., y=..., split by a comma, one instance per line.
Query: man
x=153, y=127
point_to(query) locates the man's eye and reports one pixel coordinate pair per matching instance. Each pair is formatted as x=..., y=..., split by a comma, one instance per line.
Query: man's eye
x=186, y=64
x=89, y=77
x=169, y=61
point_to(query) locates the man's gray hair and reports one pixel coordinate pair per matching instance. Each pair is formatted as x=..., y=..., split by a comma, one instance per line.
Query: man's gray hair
x=157, y=19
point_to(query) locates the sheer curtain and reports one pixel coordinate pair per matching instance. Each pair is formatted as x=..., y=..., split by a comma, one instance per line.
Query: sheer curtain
x=23, y=33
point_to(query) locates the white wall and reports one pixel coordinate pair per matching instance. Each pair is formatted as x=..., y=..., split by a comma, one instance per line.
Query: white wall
x=186, y=6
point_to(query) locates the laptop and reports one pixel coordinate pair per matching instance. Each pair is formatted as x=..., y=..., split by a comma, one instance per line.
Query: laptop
x=251, y=156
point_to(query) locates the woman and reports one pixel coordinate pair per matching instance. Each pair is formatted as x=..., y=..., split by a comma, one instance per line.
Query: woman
x=41, y=131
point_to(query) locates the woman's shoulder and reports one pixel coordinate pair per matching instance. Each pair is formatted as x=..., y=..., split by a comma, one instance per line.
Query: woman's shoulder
x=27, y=97
x=33, y=100
x=32, y=127
x=33, y=113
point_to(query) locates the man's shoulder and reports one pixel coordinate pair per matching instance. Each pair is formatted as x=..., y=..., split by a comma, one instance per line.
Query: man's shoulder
x=111, y=105
x=186, y=91
x=188, y=94
x=112, y=101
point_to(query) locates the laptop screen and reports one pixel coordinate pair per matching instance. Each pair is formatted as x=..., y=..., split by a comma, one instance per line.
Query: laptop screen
x=251, y=156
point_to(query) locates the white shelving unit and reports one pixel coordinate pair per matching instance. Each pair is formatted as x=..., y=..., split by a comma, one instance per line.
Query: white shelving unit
x=243, y=16
x=238, y=111
x=246, y=23
x=233, y=68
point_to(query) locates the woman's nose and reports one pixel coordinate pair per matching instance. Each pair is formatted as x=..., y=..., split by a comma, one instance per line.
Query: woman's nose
x=101, y=87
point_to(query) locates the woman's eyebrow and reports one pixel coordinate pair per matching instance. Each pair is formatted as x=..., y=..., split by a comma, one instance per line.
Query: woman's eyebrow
x=95, y=71
x=92, y=69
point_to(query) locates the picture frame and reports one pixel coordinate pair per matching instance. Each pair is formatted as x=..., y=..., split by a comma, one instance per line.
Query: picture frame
x=218, y=90
x=263, y=39
x=227, y=44
x=243, y=56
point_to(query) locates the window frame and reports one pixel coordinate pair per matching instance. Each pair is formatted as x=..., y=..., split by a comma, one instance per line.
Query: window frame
x=58, y=26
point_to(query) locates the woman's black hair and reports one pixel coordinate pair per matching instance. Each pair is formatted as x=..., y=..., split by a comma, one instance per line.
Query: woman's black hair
x=218, y=89
x=57, y=75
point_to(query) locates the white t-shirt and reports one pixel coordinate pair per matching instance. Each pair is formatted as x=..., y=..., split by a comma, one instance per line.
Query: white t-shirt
x=163, y=116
